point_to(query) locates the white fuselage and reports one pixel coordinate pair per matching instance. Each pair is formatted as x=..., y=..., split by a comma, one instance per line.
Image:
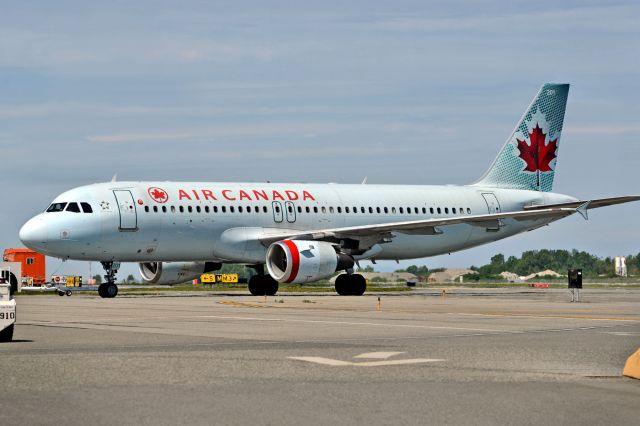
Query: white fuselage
x=199, y=221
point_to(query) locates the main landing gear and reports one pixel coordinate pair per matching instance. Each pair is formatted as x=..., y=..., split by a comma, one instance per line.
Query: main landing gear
x=350, y=285
x=109, y=289
x=262, y=284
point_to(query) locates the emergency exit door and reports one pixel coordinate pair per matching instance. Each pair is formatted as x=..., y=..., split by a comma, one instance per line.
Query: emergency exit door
x=127, y=209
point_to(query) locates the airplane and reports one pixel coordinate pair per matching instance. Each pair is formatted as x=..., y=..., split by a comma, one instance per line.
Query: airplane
x=177, y=231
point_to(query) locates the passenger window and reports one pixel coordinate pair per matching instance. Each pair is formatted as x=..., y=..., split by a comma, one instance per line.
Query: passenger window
x=155, y=209
x=277, y=209
x=73, y=207
x=346, y=209
x=370, y=209
x=453, y=210
x=361, y=209
x=224, y=209
x=146, y=209
x=239, y=209
x=232, y=209
x=439, y=211
x=331, y=209
x=402, y=210
x=248, y=209
x=307, y=209
x=173, y=209
x=198, y=209
x=190, y=209
x=339, y=209
x=324, y=209
x=215, y=209
x=164, y=209
x=446, y=210
x=386, y=210
x=315, y=209
x=289, y=209
x=424, y=210
x=30, y=260
x=468, y=210
x=86, y=207
x=377, y=209
x=393, y=210
x=257, y=209
x=264, y=209
x=299, y=209
x=431, y=210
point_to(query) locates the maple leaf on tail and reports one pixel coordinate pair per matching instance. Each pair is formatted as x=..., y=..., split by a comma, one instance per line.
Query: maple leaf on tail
x=537, y=155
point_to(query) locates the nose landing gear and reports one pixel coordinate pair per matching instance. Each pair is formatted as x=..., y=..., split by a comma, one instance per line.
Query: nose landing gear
x=109, y=289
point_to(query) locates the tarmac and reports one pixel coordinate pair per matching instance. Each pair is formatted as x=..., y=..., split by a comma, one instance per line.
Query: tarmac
x=472, y=356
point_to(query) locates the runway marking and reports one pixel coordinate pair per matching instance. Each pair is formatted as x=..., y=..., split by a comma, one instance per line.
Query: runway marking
x=375, y=324
x=544, y=316
x=244, y=304
x=621, y=333
x=378, y=355
x=339, y=363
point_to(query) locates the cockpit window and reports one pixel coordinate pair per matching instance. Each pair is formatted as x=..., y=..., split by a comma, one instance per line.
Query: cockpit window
x=73, y=207
x=56, y=207
x=86, y=207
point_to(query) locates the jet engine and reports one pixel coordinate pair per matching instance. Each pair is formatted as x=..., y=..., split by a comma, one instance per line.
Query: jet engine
x=174, y=272
x=298, y=261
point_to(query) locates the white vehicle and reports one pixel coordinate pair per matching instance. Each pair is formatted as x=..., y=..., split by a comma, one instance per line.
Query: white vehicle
x=177, y=231
x=7, y=312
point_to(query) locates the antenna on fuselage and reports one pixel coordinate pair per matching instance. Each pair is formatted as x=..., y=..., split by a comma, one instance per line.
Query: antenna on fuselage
x=364, y=181
x=114, y=178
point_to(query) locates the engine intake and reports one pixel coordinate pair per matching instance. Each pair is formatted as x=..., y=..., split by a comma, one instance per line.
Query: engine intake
x=175, y=272
x=299, y=261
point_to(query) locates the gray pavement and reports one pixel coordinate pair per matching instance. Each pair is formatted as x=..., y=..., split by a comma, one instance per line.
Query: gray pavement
x=503, y=356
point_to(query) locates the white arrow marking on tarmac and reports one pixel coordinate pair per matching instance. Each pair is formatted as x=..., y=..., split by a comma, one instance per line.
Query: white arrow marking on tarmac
x=339, y=363
x=378, y=355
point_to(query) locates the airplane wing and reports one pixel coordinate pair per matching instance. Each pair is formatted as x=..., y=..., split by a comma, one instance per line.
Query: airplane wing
x=592, y=204
x=372, y=234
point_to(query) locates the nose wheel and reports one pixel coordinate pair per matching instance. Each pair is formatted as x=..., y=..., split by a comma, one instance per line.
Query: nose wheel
x=109, y=289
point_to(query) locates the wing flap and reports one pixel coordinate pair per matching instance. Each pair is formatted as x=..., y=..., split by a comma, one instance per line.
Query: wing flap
x=426, y=227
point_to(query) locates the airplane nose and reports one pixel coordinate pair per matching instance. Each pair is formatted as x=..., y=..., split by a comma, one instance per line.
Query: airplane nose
x=33, y=233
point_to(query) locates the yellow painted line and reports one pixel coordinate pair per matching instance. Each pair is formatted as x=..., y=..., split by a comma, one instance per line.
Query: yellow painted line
x=632, y=367
x=243, y=304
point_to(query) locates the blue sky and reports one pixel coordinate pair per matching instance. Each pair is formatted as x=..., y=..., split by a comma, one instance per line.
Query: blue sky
x=401, y=92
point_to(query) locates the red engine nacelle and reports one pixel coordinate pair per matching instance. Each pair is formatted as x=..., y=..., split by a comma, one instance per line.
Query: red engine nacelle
x=299, y=261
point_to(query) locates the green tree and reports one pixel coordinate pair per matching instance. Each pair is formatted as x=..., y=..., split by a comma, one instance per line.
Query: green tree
x=98, y=278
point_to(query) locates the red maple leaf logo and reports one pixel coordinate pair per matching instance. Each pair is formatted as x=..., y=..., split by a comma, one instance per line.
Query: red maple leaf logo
x=537, y=155
x=159, y=195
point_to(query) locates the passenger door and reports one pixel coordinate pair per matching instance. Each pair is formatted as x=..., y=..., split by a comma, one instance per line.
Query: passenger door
x=127, y=209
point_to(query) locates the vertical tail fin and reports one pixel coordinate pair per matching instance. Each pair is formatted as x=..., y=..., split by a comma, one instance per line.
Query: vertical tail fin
x=528, y=159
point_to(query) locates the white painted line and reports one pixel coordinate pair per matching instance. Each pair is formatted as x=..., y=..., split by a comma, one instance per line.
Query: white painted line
x=622, y=333
x=378, y=355
x=339, y=363
x=323, y=361
x=375, y=324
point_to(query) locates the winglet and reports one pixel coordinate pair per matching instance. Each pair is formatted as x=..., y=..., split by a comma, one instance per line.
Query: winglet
x=582, y=209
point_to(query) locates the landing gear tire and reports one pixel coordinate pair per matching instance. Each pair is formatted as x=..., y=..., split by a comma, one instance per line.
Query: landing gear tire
x=6, y=335
x=350, y=285
x=263, y=285
x=108, y=290
x=68, y=293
